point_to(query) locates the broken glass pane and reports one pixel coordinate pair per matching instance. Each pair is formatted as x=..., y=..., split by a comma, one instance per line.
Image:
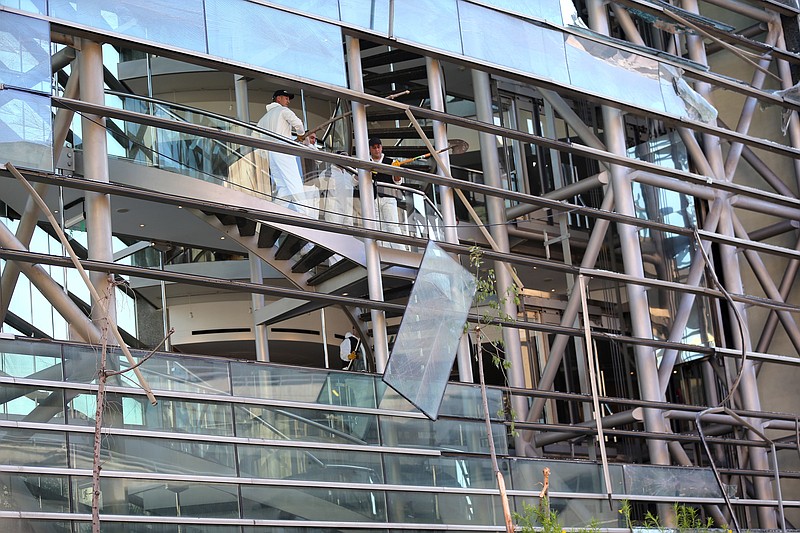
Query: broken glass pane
x=432, y=325
x=672, y=481
x=619, y=74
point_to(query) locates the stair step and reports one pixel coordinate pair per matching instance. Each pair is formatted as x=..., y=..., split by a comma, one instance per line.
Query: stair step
x=388, y=57
x=396, y=76
x=334, y=270
x=267, y=236
x=247, y=227
x=290, y=245
x=227, y=220
x=317, y=255
x=383, y=115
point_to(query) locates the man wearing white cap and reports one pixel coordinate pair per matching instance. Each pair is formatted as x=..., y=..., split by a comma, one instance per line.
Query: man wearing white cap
x=283, y=167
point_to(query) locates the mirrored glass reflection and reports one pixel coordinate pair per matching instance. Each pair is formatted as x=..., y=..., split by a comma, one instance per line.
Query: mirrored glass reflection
x=413, y=21
x=178, y=24
x=26, y=135
x=369, y=14
x=24, y=52
x=276, y=40
x=520, y=46
x=332, y=466
x=306, y=503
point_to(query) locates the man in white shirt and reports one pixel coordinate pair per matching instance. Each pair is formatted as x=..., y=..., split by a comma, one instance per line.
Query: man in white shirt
x=283, y=167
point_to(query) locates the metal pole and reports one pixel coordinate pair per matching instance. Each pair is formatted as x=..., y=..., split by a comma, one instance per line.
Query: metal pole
x=687, y=301
x=374, y=279
x=569, y=315
x=256, y=276
x=95, y=163
x=446, y=199
x=497, y=219
x=647, y=372
x=748, y=387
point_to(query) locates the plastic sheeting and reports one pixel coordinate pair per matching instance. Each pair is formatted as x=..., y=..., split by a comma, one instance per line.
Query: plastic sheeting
x=426, y=343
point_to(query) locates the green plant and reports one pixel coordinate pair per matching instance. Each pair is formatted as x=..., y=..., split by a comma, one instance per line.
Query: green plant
x=536, y=518
x=688, y=518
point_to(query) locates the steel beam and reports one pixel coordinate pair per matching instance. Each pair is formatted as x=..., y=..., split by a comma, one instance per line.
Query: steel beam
x=365, y=186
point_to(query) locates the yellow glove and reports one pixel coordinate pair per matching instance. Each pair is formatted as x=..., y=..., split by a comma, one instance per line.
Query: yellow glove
x=397, y=163
x=351, y=356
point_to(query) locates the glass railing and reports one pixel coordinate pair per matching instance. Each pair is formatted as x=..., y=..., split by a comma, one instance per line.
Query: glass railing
x=328, y=190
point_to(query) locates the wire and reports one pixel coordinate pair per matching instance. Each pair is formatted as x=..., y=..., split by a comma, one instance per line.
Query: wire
x=713, y=275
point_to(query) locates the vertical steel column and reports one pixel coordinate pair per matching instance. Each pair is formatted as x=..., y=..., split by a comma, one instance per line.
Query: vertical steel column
x=95, y=167
x=497, y=220
x=436, y=93
x=748, y=387
x=361, y=134
x=647, y=372
x=257, y=300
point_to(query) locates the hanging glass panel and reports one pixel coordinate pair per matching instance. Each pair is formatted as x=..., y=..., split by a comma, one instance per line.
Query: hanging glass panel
x=426, y=344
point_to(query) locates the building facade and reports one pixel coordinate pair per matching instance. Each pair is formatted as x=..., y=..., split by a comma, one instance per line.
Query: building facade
x=627, y=172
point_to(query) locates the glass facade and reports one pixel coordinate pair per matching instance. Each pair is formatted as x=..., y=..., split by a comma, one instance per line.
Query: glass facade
x=242, y=453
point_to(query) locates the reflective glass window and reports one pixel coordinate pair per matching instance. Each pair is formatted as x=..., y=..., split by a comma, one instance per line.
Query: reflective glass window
x=312, y=386
x=37, y=360
x=35, y=493
x=20, y=447
x=280, y=423
x=306, y=503
x=158, y=498
x=32, y=6
x=602, y=69
x=465, y=401
x=178, y=24
x=444, y=508
x=163, y=456
x=522, y=45
x=328, y=465
x=26, y=134
x=369, y=14
x=32, y=404
x=179, y=416
x=188, y=374
x=443, y=434
x=456, y=472
x=155, y=527
x=564, y=476
x=275, y=40
x=24, y=52
x=414, y=21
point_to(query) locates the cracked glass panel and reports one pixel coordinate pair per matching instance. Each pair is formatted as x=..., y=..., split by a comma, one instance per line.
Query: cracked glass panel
x=432, y=325
x=520, y=46
x=178, y=24
x=275, y=40
x=671, y=481
x=618, y=74
x=413, y=21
